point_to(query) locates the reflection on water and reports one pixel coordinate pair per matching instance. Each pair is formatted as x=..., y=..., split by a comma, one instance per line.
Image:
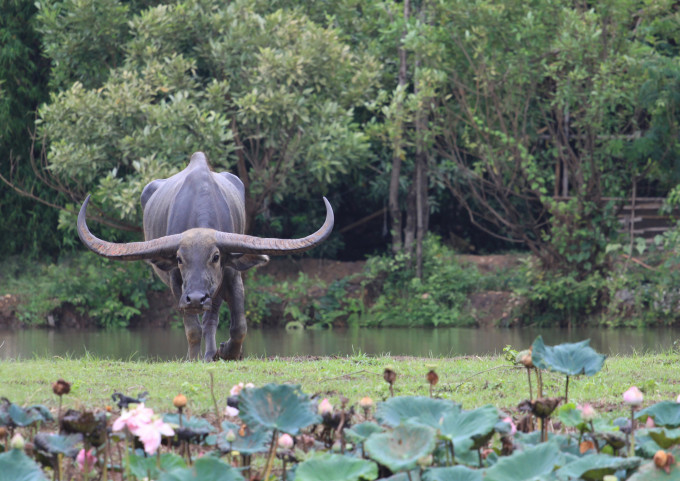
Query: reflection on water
x=168, y=344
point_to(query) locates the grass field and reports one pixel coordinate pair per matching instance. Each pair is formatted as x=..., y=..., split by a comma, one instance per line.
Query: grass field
x=472, y=381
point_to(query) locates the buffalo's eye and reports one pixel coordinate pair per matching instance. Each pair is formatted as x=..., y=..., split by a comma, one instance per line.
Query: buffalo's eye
x=216, y=257
x=179, y=260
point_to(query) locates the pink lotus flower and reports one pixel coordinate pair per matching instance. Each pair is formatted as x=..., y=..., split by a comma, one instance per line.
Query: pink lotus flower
x=133, y=419
x=587, y=412
x=633, y=396
x=649, y=424
x=325, y=406
x=236, y=389
x=86, y=461
x=285, y=441
x=150, y=434
x=513, y=428
x=231, y=412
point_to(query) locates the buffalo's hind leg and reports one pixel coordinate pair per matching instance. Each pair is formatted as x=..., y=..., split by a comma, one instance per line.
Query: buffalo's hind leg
x=193, y=331
x=210, y=322
x=234, y=295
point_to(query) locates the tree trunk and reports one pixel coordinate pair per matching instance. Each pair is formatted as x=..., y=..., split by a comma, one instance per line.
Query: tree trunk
x=393, y=201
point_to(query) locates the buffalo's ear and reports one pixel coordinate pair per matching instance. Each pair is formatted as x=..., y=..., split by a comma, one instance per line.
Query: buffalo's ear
x=247, y=261
x=164, y=263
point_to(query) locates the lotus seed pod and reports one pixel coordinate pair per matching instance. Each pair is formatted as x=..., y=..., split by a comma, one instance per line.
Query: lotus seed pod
x=61, y=387
x=366, y=402
x=230, y=436
x=180, y=401
x=3, y=432
x=524, y=358
x=432, y=377
x=660, y=459
x=389, y=375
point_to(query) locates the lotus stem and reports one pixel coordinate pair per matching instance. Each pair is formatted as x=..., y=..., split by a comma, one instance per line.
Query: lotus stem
x=60, y=471
x=566, y=391
x=531, y=396
x=107, y=456
x=631, y=447
x=270, y=458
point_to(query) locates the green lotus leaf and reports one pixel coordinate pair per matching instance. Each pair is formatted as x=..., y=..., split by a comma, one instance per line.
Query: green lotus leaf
x=534, y=462
x=253, y=442
x=58, y=443
x=594, y=467
x=194, y=429
x=665, y=414
x=649, y=472
x=15, y=465
x=453, y=473
x=407, y=476
x=144, y=466
x=42, y=411
x=418, y=409
x=336, y=467
x=360, y=432
x=401, y=448
x=571, y=359
x=203, y=469
x=23, y=417
x=476, y=424
x=665, y=437
x=282, y=407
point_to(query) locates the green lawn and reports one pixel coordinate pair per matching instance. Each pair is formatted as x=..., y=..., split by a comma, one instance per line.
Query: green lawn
x=472, y=381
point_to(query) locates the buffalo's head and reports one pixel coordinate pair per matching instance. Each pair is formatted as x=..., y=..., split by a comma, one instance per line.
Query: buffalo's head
x=195, y=259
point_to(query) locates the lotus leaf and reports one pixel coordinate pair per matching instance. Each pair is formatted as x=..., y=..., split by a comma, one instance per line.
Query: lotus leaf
x=193, y=429
x=664, y=413
x=569, y=358
x=281, y=407
x=595, y=466
x=478, y=423
x=453, y=473
x=336, y=467
x=665, y=437
x=532, y=463
x=253, y=442
x=407, y=476
x=15, y=465
x=144, y=466
x=401, y=448
x=203, y=469
x=360, y=432
x=418, y=409
x=42, y=410
x=58, y=443
x=649, y=472
x=23, y=417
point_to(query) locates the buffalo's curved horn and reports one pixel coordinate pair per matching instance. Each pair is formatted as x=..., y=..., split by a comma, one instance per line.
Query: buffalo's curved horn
x=246, y=244
x=132, y=251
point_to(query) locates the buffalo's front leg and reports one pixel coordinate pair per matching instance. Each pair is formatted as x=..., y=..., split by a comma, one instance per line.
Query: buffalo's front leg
x=233, y=293
x=193, y=331
x=210, y=323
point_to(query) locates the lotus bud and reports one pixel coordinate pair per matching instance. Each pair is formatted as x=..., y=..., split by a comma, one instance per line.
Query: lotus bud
x=231, y=412
x=649, y=424
x=17, y=441
x=513, y=427
x=633, y=396
x=61, y=387
x=249, y=385
x=366, y=402
x=587, y=412
x=325, y=407
x=86, y=461
x=180, y=401
x=236, y=389
x=230, y=436
x=286, y=441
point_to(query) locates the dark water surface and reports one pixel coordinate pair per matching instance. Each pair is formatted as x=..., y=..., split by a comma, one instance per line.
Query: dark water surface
x=167, y=344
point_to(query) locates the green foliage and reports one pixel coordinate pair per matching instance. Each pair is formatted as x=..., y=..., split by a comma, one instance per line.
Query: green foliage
x=14, y=464
x=400, y=448
x=664, y=413
x=111, y=293
x=415, y=409
x=206, y=467
x=438, y=299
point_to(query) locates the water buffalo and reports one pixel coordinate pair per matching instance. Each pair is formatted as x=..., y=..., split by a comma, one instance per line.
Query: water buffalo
x=193, y=230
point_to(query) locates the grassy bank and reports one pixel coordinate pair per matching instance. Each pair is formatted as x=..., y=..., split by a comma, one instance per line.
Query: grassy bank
x=472, y=381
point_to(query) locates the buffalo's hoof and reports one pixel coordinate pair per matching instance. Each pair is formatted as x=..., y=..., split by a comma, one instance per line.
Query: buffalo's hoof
x=230, y=351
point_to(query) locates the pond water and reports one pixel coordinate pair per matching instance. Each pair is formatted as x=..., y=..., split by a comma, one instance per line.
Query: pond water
x=168, y=344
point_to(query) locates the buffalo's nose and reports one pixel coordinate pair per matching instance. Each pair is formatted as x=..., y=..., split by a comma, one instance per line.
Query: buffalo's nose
x=196, y=299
